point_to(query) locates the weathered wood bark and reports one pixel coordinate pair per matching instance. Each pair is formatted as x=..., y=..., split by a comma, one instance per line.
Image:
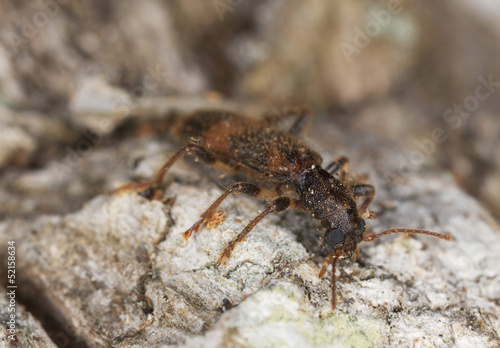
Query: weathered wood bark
x=117, y=271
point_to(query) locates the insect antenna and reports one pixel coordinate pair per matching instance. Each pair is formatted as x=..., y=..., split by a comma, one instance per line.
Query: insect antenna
x=370, y=237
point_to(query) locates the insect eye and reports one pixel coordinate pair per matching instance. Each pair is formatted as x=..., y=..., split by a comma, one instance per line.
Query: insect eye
x=334, y=236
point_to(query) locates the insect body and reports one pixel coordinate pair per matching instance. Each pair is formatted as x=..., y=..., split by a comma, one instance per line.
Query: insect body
x=290, y=170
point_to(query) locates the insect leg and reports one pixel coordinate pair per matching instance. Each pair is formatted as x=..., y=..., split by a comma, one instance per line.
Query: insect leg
x=304, y=117
x=278, y=205
x=147, y=188
x=342, y=164
x=367, y=191
x=302, y=121
x=196, y=150
x=241, y=187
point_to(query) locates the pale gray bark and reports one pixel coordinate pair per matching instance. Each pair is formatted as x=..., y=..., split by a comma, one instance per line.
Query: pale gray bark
x=117, y=271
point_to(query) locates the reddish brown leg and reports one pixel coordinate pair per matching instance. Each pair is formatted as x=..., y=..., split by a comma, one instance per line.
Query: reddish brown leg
x=278, y=205
x=144, y=188
x=241, y=187
x=196, y=150
x=367, y=191
x=149, y=188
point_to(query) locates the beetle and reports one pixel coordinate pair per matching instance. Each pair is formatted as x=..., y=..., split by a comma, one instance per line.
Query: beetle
x=282, y=168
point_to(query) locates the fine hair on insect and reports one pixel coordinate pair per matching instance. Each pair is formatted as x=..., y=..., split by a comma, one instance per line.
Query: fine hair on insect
x=282, y=169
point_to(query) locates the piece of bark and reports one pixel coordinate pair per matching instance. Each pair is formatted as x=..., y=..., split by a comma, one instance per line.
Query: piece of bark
x=23, y=330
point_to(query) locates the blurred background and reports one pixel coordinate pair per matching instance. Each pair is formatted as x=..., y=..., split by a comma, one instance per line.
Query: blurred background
x=425, y=75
